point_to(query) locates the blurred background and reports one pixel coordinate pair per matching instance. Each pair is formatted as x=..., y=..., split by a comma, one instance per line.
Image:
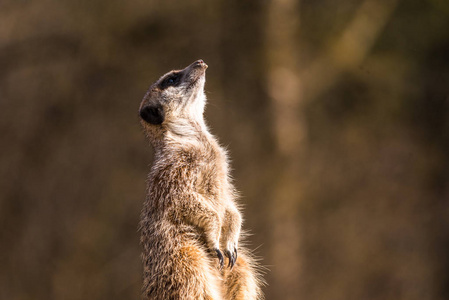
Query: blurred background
x=335, y=114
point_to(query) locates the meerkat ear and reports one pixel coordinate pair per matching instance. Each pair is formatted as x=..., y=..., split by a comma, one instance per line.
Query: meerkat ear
x=153, y=114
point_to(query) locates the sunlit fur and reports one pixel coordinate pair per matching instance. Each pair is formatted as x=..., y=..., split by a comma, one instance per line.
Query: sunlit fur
x=190, y=207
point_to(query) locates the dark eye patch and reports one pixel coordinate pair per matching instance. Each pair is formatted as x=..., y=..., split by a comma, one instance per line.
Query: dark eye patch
x=170, y=80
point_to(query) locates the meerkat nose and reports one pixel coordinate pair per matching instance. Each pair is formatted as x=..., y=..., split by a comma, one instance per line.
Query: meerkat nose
x=200, y=63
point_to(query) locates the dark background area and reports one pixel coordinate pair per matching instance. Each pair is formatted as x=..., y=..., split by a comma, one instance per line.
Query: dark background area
x=335, y=114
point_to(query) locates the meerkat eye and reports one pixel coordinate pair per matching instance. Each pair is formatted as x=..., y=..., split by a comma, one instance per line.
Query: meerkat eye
x=171, y=80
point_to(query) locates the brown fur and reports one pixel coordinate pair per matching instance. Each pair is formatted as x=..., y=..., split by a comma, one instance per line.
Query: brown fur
x=190, y=209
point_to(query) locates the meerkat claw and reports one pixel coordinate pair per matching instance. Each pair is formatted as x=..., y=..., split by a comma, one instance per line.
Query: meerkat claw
x=230, y=258
x=220, y=258
x=231, y=262
x=234, y=259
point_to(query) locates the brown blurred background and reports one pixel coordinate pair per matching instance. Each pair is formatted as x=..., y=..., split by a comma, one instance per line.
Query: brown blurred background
x=335, y=114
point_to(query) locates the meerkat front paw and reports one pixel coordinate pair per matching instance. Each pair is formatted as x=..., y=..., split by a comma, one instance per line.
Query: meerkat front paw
x=230, y=234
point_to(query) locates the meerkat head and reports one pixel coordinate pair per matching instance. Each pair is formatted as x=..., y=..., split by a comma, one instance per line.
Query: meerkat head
x=175, y=100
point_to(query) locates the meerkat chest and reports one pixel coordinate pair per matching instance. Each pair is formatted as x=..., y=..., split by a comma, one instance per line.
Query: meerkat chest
x=212, y=180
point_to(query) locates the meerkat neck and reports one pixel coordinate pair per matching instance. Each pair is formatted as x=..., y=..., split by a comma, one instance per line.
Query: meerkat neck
x=187, y=134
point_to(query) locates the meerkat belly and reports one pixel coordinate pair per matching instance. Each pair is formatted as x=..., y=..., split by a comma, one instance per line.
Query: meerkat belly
x=172, y=249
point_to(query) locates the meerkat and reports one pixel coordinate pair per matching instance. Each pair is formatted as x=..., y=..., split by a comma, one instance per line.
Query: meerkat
x=190, y=223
